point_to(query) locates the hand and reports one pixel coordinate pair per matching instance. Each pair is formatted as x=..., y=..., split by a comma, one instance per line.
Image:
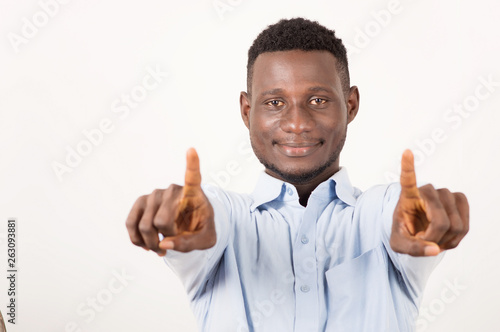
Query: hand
x=183, y=215
x=427, y=221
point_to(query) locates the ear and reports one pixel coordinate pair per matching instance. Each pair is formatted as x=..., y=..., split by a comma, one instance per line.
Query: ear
x=245, y=108
x=352, y=103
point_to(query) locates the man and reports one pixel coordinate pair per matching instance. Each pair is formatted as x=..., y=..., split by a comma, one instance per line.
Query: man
x=306, y=251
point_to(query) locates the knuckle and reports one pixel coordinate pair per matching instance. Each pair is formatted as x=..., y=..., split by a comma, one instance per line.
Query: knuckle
x=145, y=228
x=172, y=192
x=428, y=187
x=130, y=224
x=156, y=250
x=465, y=230
x=428, y=192
x=456, y=230
x=141, y=199
x=140, y=202
x=137, y=242
x=174, y=187
x=460, y=197
x=446, y=194
x=151, y=199
x=156, y=193
x=444, y=191
x=453, y=244
x=443, y=226
x=159, y=221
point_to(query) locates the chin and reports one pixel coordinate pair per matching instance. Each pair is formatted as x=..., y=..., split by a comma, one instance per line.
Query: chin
x=297, y=176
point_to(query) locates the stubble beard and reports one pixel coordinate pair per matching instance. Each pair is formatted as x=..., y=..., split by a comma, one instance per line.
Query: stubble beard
x=305, y=176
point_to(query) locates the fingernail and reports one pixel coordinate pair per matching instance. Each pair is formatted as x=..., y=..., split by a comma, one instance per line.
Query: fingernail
x=167, y=245
x=431, y=250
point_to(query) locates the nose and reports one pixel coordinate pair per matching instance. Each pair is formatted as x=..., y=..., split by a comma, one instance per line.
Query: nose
x=297, y=119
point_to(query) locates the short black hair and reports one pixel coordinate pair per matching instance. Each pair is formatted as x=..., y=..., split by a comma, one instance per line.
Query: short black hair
x=299, y=34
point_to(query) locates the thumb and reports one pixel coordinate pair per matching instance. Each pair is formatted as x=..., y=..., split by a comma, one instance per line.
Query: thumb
x=188, y=241
x=192, y=180
x=408, y=178
x=414, y=246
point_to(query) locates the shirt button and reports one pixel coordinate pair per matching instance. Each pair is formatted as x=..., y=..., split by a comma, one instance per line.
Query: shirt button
x=290, y=191
x=304, y=288
x=304, y=240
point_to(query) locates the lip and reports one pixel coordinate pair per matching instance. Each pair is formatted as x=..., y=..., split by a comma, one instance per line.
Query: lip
x=298, y=149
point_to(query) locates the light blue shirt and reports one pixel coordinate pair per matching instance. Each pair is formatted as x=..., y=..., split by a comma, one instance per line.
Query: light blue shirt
x=279, y=266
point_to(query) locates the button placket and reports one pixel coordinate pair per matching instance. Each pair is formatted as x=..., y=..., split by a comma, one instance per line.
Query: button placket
x=305, y=270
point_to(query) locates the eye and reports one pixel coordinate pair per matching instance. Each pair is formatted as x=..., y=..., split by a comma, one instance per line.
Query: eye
x=318, y=101
x=275, y=103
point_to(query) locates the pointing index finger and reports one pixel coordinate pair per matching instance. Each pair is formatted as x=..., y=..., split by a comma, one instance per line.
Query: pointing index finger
x=192, y=180
x=408, y=178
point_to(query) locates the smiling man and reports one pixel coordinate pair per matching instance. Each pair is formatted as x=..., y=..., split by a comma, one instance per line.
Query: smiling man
x=297, y=112
x=306, y=251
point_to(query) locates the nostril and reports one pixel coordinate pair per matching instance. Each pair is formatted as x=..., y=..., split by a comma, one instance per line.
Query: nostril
x=297, y=122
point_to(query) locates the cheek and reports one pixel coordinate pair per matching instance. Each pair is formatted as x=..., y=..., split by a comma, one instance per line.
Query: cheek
x=335, y=132
x=262, y=129
x=260, y=138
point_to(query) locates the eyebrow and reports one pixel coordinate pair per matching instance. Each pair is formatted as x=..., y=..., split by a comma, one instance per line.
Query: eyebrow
x=279, y=90
x=319, y=88
x=271, y=92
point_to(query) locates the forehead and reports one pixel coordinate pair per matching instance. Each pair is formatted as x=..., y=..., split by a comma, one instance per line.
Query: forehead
x=296, y=68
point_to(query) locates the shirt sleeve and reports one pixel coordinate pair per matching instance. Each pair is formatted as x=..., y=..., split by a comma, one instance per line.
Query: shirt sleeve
x=414, y=270
x=195, y=268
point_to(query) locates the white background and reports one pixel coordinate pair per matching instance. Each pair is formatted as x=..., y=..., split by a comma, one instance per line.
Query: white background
x=411, y=67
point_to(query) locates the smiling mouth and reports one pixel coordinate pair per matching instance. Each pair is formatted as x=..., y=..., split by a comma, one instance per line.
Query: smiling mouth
x=298, y=149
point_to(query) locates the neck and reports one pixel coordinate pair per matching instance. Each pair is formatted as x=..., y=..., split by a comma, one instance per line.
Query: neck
x=304, y=189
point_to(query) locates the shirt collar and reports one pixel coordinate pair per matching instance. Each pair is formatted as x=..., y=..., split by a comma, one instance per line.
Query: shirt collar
x=269, y=188
x=341, y=185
